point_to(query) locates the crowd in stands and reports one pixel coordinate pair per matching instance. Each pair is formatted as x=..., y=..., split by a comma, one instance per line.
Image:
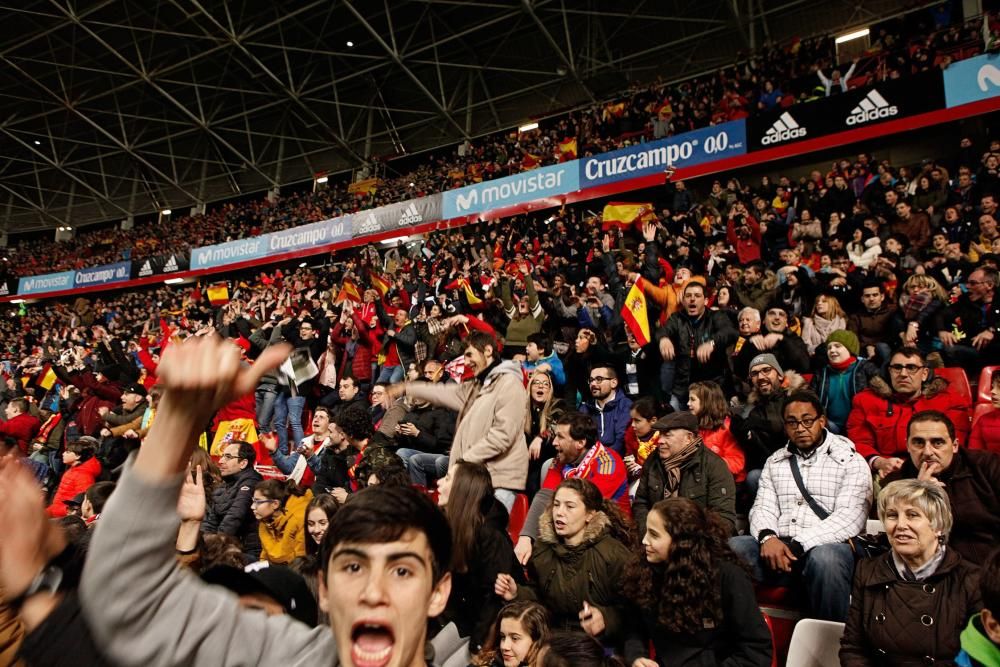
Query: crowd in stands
x=778, y=75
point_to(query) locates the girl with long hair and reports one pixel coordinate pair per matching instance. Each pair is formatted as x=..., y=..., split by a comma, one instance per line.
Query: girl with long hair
x=919, y=302
x=577, y=563
x=707, y=402
x=280, y=508
x=319, y=512
x=640, y=438
x=521, y=629
x=481, y=549
x=694, y=600
x=539, y=426
x=827, y=317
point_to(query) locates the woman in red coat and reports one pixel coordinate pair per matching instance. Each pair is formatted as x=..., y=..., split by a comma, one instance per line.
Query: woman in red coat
x=707, y=402
x=986, y=431
x=83, y=469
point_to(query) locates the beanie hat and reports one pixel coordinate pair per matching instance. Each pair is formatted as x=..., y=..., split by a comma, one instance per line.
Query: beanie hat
x=846, y=338
x=768, y=359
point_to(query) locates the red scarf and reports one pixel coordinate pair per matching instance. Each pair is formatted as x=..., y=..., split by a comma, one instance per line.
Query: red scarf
x=843, y=365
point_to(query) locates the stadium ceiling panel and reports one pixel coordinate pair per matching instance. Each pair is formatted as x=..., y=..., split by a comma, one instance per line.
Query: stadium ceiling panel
x=113, y=108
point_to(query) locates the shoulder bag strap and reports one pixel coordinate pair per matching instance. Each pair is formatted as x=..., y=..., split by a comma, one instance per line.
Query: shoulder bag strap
x=813, y=505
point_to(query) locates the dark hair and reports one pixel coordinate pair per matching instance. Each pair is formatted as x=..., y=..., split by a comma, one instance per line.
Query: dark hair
x=541, y=341
x=74, y=528
x=98, y=495
x=647, y=408
x=246, y=452
x=329, y=505
x=932, y=416
x=20, y=403
x=391, y=473
x=692, y=283
x=82, y=448
x=356, y=423
x=684, y=589
x=348, y=377
x=576, y=649
x=381, y=514
x=581, y=427
x=479, y=340
x=594, y=501
x=714, y=409
x=803, y=396
x=908, y=351
x=989, y=582
x=533, y=617
x=868, y=284
x=470, y=499
x=612, y=373
x=280, y=490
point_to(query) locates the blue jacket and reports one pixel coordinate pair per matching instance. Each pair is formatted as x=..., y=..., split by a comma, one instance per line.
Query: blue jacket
x=553, y=360
x=611, y=421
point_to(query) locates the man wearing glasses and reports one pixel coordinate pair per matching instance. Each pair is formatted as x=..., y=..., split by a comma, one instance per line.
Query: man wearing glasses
x=228, y=511
x=814, y=495
x=608, y=407
x=969, y=329
x=880, y=413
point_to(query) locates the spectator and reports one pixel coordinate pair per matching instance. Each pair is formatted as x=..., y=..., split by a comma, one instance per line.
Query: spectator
x=841, y=378
x=795, y=541
x=302, y=464
x=229, y=509
x=915, y=226
x=608, y=407
x=520, y=631
x=319, y=513
x=871, y=323
x=423, y=437
x=544, y=410
x=20, y=424
x=836, y=83
x=541, y=357
x=981, y=637
x=986, y=430
x=969, y=329
x=779, y=340
x=94, y=500
x=280, y=510
x=641, y=439
x=827, y=317
x=921, y=593
x=83, y=469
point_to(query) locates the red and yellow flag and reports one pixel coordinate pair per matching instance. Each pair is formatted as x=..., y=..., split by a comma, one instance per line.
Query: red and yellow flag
x=365, y=187
x=567, y=149
x=379, y=283
x=625, y=214
x=47, y=378
x=218, y=294
x=635, y=314
x=530, y=161
x=470, y=294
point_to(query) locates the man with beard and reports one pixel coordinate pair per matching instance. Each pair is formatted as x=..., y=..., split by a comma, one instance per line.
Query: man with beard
x=608, y=407
x=579, y=453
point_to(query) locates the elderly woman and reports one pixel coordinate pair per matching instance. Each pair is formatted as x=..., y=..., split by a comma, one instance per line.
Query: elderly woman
x=909, y=606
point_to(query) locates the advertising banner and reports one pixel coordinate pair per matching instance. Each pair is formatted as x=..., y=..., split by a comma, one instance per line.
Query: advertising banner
x=972, y=80
x=683, y=150
x=397, y=216
x=50, y=282
x=228, y=253
x=312, y=235
x=884, y=101
x=161, y=265
x=103, y=275
x=8, y=287
x=520, y=188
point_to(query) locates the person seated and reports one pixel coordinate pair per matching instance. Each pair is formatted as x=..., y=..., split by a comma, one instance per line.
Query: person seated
x=423, y=437
x=578, y=562
x=280, y=510
x=707, y=402
x=94, y=500
x=608, y=407
x=541, y=357
x=841, y=378
x=909, y=606
x=579, y=454
x=684, y=467
x=519, y=632
x=814, y=495
x=20, y=424
x=572, y=649
x=83, y=469
x=302, y=464
x=229, y=508
x=544, y=409
x=986, y=431
x=272, y=588
x=981, y=637
x=879, y=415
x=695, y=599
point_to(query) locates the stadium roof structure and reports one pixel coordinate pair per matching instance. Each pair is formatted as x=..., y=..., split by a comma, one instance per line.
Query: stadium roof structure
x=112, y=108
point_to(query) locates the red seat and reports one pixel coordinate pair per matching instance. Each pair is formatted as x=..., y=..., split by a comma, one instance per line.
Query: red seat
x=518, y=513
x=777, y=596
x=985, y=383
x=774, y=646
x=981, y=409
x=958, y=380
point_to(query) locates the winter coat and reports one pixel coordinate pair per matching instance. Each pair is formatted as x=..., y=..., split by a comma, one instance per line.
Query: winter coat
x=742, y=639
x=861, y=373
x=705, y=479
x=228, y=510
x=986, y=432
x=611, y=420
x=687, y=334
x=863, y=255
x=472, y=605
x=63, y=639
x=978, y=650
x=93, y=395
x=969, y=318
x=871, y=327
x=761, y=427
x=364, y=353
x=436, y=426
x=564, y=577
x=74, y=481
x=333, y=469
x=878, y=420
x=490, y=425
x=973, y=484
x=284, y=539
x=22, y=428
x=724, y=443
x=899, y=623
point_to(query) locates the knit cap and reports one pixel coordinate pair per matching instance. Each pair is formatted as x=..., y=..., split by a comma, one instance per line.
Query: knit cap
x=846, y=338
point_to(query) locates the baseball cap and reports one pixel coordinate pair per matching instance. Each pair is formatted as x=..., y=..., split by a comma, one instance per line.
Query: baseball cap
x=281, y=583
x=134, y=388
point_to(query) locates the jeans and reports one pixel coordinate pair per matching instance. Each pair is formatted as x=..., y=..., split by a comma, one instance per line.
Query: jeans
x=288, y=412
x=753, y=482
x=421, y=465
x=390, y=375
x=826, y=572
x=506, y=497
x=264, y=400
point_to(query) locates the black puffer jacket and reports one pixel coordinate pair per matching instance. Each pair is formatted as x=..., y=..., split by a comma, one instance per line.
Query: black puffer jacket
x=229, y=511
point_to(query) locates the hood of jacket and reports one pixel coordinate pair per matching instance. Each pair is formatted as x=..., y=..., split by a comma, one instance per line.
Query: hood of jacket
x=881, y=387
x=791, y=382
x=595, y=530
x=505, y=368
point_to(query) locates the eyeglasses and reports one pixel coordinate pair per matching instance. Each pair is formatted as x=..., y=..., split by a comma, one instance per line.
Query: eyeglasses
x=255, y=502
x=762, y=372
x=975, y=282
x=597, y=379
x=794, y=424
x=909, y=368
x=230, y=457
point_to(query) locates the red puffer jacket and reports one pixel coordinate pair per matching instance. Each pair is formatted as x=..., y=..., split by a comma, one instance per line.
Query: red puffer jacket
x=986, y=433
x=724, y=443
x=74, y=481
x=22, y=428
x=878, y=420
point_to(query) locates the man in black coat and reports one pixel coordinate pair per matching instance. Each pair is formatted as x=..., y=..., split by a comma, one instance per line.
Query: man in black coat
x=424, y=436
x=229, y=508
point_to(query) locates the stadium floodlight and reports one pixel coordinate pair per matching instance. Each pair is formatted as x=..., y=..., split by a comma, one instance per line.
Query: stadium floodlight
x=396, y=239
x=528, y=127
x=350, y=44
x=173, y=281
x=863, y=32
x=37, y=142
x=322, y=179
x=166, y=211
x=17, y=300
x=303, y=265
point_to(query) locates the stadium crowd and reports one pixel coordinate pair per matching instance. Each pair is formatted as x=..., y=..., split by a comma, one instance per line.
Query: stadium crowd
x=628, y=424
x=778, y=75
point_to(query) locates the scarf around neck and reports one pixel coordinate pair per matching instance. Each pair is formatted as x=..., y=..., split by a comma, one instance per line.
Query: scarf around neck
x=672, y=467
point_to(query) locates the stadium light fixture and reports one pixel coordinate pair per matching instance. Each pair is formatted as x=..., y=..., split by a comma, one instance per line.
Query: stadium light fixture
x=17, y=300
x=350, y=44
x=303, y=265
x=166, y=211
x=863, y=32
x=173, y=281
x=322, y=179
x=396, y=239
x=528, y=127
x=37, y=142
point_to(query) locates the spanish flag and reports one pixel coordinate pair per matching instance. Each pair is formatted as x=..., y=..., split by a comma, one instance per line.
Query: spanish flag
x=625, y=214
x=218, y=294
x=47, y=378
x=530, y=161
x=348, y=292
x=635, y=314
x=470, y=294
x=567, y=149
x=379, y=283
x=365, y=187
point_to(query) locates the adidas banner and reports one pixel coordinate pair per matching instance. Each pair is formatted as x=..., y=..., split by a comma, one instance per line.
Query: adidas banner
x=395, y=217
x=884, y=101
x=8, y=287
x=161, y=265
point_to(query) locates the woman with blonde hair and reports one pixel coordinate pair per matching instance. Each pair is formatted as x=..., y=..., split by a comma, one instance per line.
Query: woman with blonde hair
x=827, y=317
x=919, y=302
x=544, y=408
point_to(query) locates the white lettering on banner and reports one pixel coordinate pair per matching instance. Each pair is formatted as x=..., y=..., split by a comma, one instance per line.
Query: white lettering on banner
x=308, y=237
x=42, y=282
x=147, y=270
x=370, y=225
x=171, y=265
x=465, y=202
x=783, y=129
x=226, y=252
x=95, y=276
x=410, y=216
x=515, y=187
x=598, y=168
x=3, y=289
x=872, y=107
x=337, y=229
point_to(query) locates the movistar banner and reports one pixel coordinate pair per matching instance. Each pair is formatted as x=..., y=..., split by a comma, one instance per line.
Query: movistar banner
x=228, y=253
x=50, y=282
x=312, y=235
x=683, y=150
x=520, y=188
x=972, y=80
